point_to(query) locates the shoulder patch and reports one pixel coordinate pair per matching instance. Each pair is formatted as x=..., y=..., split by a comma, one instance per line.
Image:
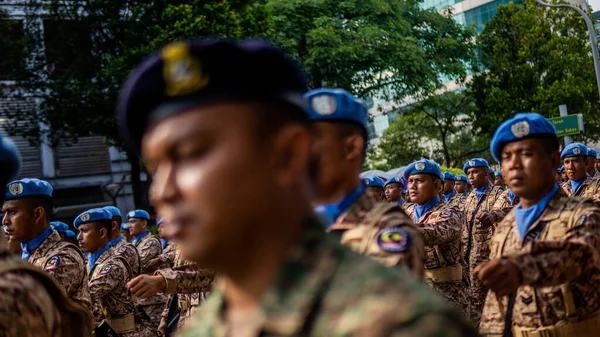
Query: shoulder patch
x=582, y=220
x=52, y=263
x=394, y=240
x=121, y=250
x=105, y=270
x=148, y=243
x=445, y=214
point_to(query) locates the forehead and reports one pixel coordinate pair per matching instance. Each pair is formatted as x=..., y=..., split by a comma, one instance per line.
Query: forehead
x=420, y=177
x=478, y=170
x=87, y=226
x=15, y=204
x=530, y=143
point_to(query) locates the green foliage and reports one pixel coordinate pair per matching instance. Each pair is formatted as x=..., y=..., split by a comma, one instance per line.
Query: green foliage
x=537, y=59
x=454, y=170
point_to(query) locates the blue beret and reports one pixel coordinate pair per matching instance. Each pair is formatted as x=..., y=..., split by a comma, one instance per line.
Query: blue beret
x=138, y=214
x=113, y=210
x=462, y=177
x=423, y=166
x=59, y=226
x=520, y=126
x=335, y=105
x=91, y=215
x=190, y=73
x=394, y=180
x=70, y=234
x=560, y=169
x=374, y=181
x=574, y=150
x=125, y=226
x=492, y=171
x=10, y=158
x=592, y=152
x=27, y=187
x=449, y=176
x=499, y=174
x=475, y=162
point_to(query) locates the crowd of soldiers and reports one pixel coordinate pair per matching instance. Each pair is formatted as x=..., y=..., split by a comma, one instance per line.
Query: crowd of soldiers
x=257, y=183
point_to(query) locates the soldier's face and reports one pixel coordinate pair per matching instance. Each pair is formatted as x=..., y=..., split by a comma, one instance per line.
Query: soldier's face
x=528, y=168
x=591, y=163
x=90, y=238
x=375, y=192
x=597, y=161
x=218, y=183
x=478, y=176
x=393, y=192
x=448, y=186
x=18, y=219
x=422, y=188
x=137, y=226
x=126, y=234
x=575, y=167
x=460, y=186
x=499, y=181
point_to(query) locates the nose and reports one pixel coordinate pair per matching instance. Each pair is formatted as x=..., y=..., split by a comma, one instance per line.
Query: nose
x=164, y=185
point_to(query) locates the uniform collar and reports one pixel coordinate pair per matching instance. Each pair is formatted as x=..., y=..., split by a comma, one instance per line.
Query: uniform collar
x=117, y=240
x=331, y=212
x=353, y=214
x=479, y=191
x=163, y=243
x=421, y=210
x=448, y=196
x=400, y=202
x=33, y=244
x=302, y=278
x=139, y=237
x=95, y=256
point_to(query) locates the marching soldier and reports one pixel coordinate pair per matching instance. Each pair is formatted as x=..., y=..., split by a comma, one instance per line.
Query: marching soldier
x=492, y=175
x=477, y=229
x=393, y=191
x=500, y=180
x=122, y=247
x=109, y=273
x=460, y=185
x=61, y=228
x=125, y=232
x=280, y=273
x=357, y=217
x=544, y=268
x=580, y=184
x=27, y=209
x=440, y=224
x=450, y=195
x=590, y=167
x=167, y=257
x=597, y=161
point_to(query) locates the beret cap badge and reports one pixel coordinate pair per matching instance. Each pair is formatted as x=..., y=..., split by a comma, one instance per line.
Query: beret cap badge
x=16, y=189
x=520, y=129
x=420, y=166
x=182, y=72
x=324, y=104
x=85, y=217
x=576, y=151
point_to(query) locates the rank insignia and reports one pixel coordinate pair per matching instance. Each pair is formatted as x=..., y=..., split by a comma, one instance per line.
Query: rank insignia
x=182, y=72
x=52, y=263
x=105, y=270
x=394, y=240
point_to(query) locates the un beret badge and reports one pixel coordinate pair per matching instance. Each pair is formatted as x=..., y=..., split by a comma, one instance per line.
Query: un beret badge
x=420, y=166
x=520, y=129
x=576, y=150
x=131, y=214
x=472, y=163
x=16, y=189
x=85, y=216
x=182, y=72
x=324, y=105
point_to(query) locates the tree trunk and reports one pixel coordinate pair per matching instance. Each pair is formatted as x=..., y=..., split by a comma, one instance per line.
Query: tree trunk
x=136, y=182
x=446, y=152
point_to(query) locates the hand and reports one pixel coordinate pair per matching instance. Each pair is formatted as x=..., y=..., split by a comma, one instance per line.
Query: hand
x=145, y=286
x=500, y=276
x=486, y=219
x=162, y=327
x=153, y=264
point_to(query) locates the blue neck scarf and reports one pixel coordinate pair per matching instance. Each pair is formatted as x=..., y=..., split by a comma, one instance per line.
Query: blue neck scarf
x=466, y=193
x=526, y=217
x=420, y=210
x=399, y=202
x=511, y=196
x=480, y=190
x=33, y=244
x=330, y=212
x=449, y=195
x=163, y=243
x=139, y=237
x=94, y=256
x=115, y=241
x=576, y=183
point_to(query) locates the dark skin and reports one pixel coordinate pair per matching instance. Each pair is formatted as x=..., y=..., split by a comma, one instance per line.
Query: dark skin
x=116, y=227
x=197, y=158
x=564, y=176
x=127, y=235
x=448, y=186
x=92, y=237
x=575, y=167
x=393, y=192
x=23, y=220
x=591, y=164
x=478, y=176
x=137, y=226
x=499, y=181
x=597, y=164
x=423, y=188
x=376, y=193
x=460, y=186
x=529, y=170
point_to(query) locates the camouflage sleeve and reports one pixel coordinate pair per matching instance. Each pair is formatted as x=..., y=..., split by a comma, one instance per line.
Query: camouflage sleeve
x=110, y=276
x=573, y=250
x=26, y=308
x=68, y=268
x=501, y=207
x=168, y=254
x=187, y=279
x=150, y=250
x=447, y=227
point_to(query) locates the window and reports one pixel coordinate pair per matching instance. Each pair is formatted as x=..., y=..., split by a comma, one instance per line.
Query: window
x=68, y=47
x=480, y=15
x=439, y=4
x=12, y=45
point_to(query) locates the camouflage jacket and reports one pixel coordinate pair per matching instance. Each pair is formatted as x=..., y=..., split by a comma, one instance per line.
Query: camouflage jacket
x=323, y=289
x=457, y=200
x=363, y=224
x=128, y=251
x=441, y=227
x=148, y=248
x=167, y=258
x=65, y=262
x=503, y=205
x=563, y=259
x=589, y=189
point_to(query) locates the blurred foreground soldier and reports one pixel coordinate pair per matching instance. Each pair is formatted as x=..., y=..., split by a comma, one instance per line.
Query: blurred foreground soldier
x=597, y=161
x=478, y=228
x=499, y=181
x=125, y=232
x=440, y=224
x=148, y=247
x=450, y=195
x=544, y=268
x=357, y=217
x=27, y=208
x=32, y=304
x=118, y=241
x=109, y=272
x=393, y=191
x=580, y=184
x=280, y=273
x=460, y=185
x=590, y=167
x=13, y=246
x=559, y=174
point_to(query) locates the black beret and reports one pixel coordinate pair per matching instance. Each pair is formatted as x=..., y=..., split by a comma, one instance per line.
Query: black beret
x=191, y=73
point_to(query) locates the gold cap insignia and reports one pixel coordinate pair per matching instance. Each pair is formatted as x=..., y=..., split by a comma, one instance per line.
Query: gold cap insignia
x=182, y=72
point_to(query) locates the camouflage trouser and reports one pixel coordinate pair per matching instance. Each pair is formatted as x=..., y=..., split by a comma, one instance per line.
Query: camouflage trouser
x=476, y=298
x=455, y=293
x=153, y=307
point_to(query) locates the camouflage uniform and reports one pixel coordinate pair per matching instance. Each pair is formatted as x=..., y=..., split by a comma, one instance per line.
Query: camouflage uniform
x=359, y=227
x=65, y=262
x=457, y=201
x=502, y=206
x=476, y=240
x=589, y=189
x=149, y=247
x=190, y=283
x=111, y=300
x=130, y=253
x=560, y=271
x=167, y=258
x=441, y=227
x=323, y=289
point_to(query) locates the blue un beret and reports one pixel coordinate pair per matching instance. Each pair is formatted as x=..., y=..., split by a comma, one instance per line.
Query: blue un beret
x=424, y=166
x=394, y=180
x=449, y=176
x=521, y=126
x=462, y=177
x=59, y=226
x=574, y=150
x=475, y=162
x=186, y=74
x=374, y=181
x=335, y=105
x=91, y=215
x=27, y=187
x=592, y=152
x=492, y=171
x=560, y=169
x=125, y=226
x=138, y=214
x=113, y=210
x=70, y=234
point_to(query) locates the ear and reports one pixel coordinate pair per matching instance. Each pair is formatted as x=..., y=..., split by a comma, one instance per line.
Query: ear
x=291, y=154
x=103, y=233
x=353, y=147
x=39, y=215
